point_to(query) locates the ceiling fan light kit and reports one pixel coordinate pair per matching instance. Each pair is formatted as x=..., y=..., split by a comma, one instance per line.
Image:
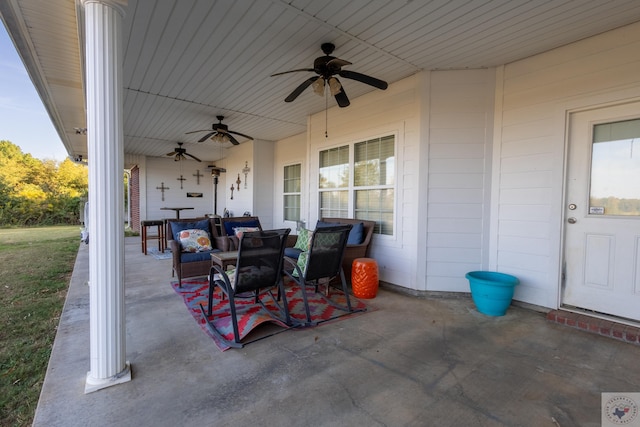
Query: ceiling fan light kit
x=318, y=87
x=334, y=86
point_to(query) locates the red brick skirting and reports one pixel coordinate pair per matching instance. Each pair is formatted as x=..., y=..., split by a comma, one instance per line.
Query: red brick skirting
x=134, y=203
x=607, y=328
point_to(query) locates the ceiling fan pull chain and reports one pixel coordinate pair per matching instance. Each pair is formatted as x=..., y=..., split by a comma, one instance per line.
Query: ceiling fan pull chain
x=326, y=113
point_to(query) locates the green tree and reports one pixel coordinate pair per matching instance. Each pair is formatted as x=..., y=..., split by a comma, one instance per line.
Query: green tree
x=39, y=192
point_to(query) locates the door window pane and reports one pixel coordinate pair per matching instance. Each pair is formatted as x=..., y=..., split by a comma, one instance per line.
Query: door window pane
x=615, y=169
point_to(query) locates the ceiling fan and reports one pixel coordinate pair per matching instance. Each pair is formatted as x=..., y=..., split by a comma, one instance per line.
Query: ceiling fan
x=220, y=132
x=180, y=153
x=327, y=67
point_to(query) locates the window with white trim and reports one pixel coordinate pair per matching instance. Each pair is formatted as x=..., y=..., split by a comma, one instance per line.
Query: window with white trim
x=292, y=189
x=334, y=182
x=370, y=193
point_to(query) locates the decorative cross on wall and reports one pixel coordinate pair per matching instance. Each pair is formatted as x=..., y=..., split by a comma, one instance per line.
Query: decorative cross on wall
x=245, y=170
x=181, y=179
x=162, y=188
x=198, y=175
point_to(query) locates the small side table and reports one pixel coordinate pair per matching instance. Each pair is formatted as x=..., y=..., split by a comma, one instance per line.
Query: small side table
x=177, y=210
x=144, y=225
x=364, y=278
x=224, y=259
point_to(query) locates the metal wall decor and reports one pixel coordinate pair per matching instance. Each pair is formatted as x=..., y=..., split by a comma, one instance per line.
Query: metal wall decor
x=162, y=188
x=245, y=171
x=238, y=182
x=181, y=179
x=198, y=175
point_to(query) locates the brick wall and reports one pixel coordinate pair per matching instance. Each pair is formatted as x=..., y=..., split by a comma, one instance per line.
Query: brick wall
x=134, y=187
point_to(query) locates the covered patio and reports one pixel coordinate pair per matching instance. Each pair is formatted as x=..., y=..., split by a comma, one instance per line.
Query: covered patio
x=409, y=361
x=481, y=138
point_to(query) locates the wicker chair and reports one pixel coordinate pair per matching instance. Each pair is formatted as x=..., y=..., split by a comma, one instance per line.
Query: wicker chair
x=225, y=236
x=189, y=264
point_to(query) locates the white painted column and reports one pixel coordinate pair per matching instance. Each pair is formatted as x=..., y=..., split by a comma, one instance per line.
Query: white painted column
x=103, y=51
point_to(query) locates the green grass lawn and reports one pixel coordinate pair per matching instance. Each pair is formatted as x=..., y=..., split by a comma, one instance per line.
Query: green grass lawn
x=36, y=265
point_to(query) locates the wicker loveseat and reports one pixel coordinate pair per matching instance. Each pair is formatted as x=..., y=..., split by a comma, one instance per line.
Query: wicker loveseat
x=225, y=236
x=353, y=250
x=190, y=264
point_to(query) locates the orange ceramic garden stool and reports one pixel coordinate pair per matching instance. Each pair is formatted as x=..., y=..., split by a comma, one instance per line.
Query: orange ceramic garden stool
x=364, y=277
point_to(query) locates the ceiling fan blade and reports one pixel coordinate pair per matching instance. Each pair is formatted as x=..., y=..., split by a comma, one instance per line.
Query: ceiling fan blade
x=232, y=139
x=207, y=136
x=337, y=63
x=292, y=71
x=195, y=131
x=193, y=157
x=372, y=81
x=240, y=134
x=342, y=99
x=297, y=91
x=171, y=153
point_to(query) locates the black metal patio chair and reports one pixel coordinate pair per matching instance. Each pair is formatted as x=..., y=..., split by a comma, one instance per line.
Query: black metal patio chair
x=258, y=271
x=322, y=262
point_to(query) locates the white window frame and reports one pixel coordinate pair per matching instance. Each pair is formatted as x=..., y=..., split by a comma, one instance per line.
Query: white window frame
x=285, y=194
x=351, y=188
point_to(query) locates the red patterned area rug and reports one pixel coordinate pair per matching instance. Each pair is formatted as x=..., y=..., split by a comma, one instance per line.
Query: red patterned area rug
x=323, y=309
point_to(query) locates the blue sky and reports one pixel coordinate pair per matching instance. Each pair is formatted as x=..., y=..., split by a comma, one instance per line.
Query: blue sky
x=23, y=119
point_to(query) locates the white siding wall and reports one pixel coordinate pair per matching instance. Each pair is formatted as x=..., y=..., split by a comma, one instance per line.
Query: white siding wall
x=536, y=94
x=234, y=162
x=160, y=170
x=442, y=122
x=257, y=198
x=460, y=120
x=264, y=181
x=394, y=111
x=290, y=151
x=480, y=164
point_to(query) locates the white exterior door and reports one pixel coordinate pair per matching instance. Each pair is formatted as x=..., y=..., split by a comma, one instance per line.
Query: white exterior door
x=602, y=212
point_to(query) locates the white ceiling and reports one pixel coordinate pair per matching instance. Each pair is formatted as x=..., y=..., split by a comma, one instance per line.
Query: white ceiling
x=187, y=61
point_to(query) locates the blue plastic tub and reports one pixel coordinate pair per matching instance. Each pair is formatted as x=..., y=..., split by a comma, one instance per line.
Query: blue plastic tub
x=491, y=291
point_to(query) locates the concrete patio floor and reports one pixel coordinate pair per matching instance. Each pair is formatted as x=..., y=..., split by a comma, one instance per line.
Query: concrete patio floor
x=408, y=362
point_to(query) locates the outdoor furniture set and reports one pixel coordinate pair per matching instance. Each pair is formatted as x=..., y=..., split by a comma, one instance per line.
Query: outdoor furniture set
x=263, y=257
x=260, y=266
x=196, y=261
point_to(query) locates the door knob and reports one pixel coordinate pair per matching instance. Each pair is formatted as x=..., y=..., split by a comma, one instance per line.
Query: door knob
x=572, y=220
